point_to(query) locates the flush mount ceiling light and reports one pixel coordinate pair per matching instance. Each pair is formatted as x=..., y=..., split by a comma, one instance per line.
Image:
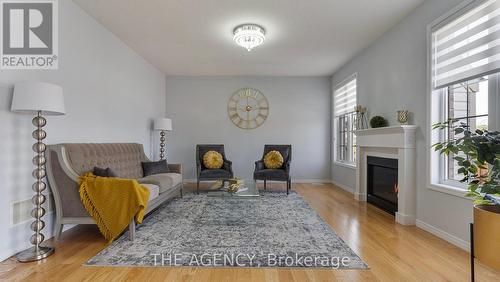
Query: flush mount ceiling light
x=249, y=36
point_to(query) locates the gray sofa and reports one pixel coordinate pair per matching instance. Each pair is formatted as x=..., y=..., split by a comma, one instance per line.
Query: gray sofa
x=66, y=162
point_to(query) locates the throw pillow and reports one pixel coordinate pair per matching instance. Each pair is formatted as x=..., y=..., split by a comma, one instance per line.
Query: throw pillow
x=273, y=159
x=104, y=172
x=213, y=160
x=99, y=171
x=111, y=173
x=150, y=168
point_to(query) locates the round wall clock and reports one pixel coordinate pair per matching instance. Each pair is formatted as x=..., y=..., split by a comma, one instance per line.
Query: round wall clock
x=248, y=108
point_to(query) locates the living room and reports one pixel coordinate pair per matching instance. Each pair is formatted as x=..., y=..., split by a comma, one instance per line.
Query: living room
x=271, y=140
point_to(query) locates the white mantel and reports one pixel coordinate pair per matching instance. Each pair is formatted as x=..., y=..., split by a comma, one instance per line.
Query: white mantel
x=396, y=142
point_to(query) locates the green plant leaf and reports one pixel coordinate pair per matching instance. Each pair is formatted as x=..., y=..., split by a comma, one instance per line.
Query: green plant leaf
x=482, y=201
x=482, y=152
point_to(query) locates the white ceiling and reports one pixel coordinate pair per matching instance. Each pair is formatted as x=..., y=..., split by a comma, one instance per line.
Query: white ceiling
x=194, y=37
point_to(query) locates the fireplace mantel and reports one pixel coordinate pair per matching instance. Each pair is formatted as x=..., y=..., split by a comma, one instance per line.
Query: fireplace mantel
x=397, y=142
x=401, y=136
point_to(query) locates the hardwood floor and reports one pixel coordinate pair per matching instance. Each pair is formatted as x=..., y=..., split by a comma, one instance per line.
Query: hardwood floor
x=393, y=252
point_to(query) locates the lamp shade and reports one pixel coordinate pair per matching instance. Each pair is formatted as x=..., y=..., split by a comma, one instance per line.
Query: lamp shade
x=163, y=124
x=31, y=97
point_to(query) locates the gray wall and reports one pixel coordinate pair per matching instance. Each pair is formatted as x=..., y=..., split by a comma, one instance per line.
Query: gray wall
x=392, y=76
x=111, y=94
x=299, y=115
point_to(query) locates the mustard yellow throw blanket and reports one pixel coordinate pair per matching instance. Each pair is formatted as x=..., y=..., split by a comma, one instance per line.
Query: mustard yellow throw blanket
x=113, y=202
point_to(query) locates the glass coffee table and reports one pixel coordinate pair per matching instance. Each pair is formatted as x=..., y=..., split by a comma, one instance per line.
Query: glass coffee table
x=248, y=190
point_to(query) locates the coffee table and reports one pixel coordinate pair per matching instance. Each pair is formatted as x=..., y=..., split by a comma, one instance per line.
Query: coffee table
x=251, y=191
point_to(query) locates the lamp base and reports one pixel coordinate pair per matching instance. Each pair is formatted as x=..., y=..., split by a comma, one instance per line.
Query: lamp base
x=33, y=254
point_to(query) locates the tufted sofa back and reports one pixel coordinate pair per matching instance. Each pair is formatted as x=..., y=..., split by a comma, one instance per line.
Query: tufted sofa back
x=123, y=158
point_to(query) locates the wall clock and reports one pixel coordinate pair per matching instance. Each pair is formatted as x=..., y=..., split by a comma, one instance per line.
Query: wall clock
x=248, y=108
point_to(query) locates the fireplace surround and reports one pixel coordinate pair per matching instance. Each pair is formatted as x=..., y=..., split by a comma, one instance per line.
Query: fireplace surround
x=396, y=142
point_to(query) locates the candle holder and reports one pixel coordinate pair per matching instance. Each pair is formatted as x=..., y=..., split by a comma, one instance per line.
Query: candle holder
x=403, y=116
x=361, y=120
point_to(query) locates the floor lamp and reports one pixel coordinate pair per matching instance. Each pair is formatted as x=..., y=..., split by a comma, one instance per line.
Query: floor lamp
x=40, y=99
x=162, y=125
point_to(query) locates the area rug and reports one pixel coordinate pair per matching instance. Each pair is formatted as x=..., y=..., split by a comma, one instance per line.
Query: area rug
x=274, y=230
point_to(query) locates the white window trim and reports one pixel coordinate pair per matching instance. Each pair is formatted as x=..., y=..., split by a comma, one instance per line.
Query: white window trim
x=449, y=189
x=434, y=109
x=334, y=123
x=345, y=164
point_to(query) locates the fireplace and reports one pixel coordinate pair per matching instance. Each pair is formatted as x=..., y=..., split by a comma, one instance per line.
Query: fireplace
x=382, y=183
x=397, y=142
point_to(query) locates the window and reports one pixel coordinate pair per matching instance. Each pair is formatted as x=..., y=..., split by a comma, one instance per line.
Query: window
x=466, y=102
x=344, y=100
x=465, y=66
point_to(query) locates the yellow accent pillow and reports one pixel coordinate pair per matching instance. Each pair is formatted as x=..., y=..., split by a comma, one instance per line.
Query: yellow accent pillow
x=213, y=160
x=273, y=159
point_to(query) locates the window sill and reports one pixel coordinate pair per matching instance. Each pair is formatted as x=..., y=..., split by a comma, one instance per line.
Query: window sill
x=448, y=189
x=347, y=165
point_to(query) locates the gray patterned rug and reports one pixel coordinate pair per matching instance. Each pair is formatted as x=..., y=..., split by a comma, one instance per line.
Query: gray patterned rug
x=274, y=230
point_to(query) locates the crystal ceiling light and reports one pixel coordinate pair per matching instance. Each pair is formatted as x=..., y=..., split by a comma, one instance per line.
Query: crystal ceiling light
x=249, y=36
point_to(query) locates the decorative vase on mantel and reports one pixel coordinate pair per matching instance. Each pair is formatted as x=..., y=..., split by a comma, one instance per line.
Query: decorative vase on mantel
x=403, y=117
x=487, y=234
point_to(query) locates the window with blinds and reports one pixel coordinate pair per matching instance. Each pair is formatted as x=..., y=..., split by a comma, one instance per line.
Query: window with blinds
x=345, y=96
x=465, y=77
x=344, y=100
x=466, y=45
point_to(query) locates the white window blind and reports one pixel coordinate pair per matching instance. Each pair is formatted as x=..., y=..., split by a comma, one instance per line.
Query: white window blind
x=467, y=45
x=344, y=97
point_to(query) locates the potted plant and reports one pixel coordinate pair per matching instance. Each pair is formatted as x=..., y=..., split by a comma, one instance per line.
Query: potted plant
x=478, y=157
x=378, y=121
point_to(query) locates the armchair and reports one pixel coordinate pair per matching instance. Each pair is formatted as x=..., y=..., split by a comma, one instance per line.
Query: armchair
x=206, y=174
x=280, y=174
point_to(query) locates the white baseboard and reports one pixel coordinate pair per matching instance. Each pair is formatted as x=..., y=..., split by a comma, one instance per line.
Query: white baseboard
x=305, y=180
x=194, y=181
x=23, y=245
x=344, y=187
x=7, y=253
x=462, y=244
x=311, y=180
x=405, y=219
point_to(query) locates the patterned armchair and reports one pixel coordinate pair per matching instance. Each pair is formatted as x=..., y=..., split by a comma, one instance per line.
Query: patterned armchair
x=280, y=174
x=206, y=174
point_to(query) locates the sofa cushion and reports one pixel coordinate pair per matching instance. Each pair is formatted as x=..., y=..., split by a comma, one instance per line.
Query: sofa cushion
x=166, y=181
x=154, y=191
x=271, y=174
x=104, y=172
x=150, y=168
x=214, y=174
